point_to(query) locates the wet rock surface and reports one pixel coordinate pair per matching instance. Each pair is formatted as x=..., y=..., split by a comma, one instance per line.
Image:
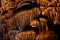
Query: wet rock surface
x=19, y=17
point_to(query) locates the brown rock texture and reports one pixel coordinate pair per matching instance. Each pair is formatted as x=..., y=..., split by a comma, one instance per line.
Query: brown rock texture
x=28, y=35
x=47, y=36
x=38, y=15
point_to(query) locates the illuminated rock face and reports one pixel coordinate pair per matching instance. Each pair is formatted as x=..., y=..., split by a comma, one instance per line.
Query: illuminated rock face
x=41, y=24
x=53, y=14
x=13, y=17
x=11, y=4
x=28, y=35
x=47, y=36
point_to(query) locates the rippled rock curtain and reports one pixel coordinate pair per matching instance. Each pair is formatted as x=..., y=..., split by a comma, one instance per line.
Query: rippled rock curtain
x=16, y=15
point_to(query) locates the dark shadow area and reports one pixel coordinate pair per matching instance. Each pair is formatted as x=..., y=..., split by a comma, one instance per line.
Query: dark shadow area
x=3, y=13
x=26, y=7
x=56, y=29
x=35, y=29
